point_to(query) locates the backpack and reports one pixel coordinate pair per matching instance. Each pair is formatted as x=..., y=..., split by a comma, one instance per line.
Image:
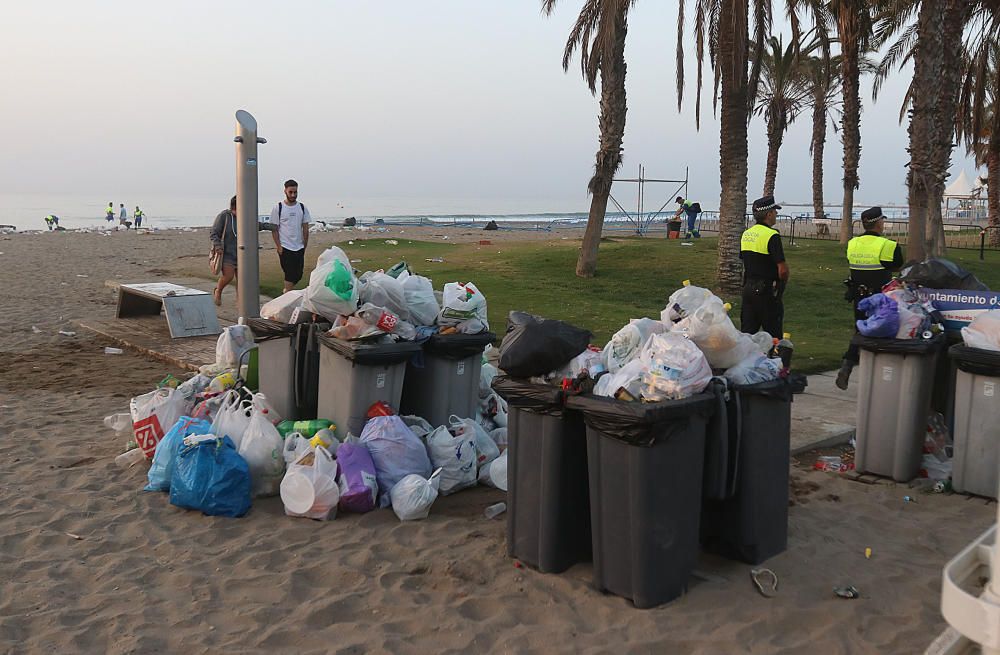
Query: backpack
x=695, y=207
x=281, y=204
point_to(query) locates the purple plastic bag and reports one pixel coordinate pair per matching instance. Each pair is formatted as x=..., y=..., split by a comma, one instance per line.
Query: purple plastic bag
x=358, y=487
x=396, y=451
x=883, y=316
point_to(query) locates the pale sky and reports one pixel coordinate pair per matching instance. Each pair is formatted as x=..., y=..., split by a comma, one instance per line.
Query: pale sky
x=385, y=107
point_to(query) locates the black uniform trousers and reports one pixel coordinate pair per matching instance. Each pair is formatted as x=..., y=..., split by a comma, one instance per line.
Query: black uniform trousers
x=762, y=308
x=852, y=354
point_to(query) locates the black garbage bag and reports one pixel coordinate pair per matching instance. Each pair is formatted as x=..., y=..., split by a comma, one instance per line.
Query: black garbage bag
x=350, y=222
x=937, y=273
x=492, y=225
x=535, y=346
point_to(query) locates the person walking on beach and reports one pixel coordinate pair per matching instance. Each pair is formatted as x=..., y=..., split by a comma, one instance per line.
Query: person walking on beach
x=292, y=235
x=109, y=213
x=871, y=258
x=223, y=237
x=765, y=272
x=137, y=217
x=692, y=209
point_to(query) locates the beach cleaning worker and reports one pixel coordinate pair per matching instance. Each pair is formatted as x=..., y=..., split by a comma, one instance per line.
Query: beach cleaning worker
x=52, y=221
x=692, y=209
x=765, y=272
x=871, y=258
x=137, y=216
x=292, y=235
x=109, y=213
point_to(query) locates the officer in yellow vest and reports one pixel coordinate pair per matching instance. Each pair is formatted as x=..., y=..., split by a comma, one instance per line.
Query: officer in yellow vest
x=109, y=213
x=765, y=272
x=872, y=259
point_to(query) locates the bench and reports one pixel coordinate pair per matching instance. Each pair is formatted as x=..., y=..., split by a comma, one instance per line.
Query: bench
x=190, y=312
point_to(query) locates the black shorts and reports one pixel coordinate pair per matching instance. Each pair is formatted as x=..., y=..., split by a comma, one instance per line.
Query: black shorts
x=292, y=263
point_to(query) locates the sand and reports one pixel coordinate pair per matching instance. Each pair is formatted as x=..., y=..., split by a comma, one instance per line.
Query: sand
x=146, y=577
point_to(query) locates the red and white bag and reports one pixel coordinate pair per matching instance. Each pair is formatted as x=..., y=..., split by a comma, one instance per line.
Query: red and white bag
x=153, y=414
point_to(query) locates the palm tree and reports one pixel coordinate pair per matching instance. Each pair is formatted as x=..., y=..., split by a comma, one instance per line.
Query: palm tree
x=978, y=123
x=722, y=27
x=854, y=22
x=599, y=33
x=782, y=94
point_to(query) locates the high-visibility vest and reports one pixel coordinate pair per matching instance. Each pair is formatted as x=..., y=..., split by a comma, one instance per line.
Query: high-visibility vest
x=868, y=251
x=755, y=239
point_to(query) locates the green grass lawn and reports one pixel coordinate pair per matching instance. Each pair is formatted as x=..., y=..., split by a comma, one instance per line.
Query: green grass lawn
x=635, y=277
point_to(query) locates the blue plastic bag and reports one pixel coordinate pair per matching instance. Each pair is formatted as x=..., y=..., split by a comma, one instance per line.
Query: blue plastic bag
x=212, y=477
x=883, y=317
x=166, y=451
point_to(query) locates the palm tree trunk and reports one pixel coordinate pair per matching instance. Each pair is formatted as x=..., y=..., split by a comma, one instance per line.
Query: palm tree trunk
x=609, y=154
x=848, y=29
x=774, y=134
x=733, y=59
x=927, y=71
x=993, y=197
x=817, y=147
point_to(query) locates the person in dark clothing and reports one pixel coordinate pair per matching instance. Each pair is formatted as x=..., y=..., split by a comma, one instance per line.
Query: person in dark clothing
x=692, y=209
x=765, y=272
x=224, y=240
x=871, y=258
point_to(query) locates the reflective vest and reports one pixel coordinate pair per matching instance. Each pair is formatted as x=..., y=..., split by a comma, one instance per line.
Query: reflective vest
x=110, y=210
x=868, y=251
x=756, y=238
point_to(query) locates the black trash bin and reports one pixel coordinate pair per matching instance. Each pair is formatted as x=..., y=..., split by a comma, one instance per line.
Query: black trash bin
x=288, y=365
x=748, y=520
x=445, y=379
x=548, y=507
x=645, y=463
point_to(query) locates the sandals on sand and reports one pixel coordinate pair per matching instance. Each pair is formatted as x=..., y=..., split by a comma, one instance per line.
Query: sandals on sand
x=217, y=295
x=766, y=582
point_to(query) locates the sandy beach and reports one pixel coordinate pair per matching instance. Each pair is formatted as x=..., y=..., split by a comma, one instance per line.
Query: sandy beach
x=147, y=577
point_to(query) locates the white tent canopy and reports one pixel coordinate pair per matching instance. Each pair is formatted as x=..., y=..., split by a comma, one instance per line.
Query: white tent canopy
x=963, y=188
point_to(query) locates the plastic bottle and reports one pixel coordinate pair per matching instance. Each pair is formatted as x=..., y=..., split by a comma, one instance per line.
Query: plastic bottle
x=130, y=458
x=784, y=349
x=108, y=350
x=118, y=422
x=494, y=511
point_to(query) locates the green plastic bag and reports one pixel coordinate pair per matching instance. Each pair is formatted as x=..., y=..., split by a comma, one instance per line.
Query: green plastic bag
x=340, y=281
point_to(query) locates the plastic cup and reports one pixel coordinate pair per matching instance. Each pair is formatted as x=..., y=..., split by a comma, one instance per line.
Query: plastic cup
x=297, y=492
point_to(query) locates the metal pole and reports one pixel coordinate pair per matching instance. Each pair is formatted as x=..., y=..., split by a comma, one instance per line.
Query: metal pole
x=247, y=256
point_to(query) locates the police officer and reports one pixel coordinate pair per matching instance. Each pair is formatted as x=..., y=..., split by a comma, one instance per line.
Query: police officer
x=765, y=272
x=872, y=258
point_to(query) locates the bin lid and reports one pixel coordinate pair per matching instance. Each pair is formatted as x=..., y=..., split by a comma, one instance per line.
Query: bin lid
x=977, y=361
x=900, y=346
x=458, y=346
x=371, y=354
x=637, y=423
x=265, y=329
x=779, y=388
x=530, y=396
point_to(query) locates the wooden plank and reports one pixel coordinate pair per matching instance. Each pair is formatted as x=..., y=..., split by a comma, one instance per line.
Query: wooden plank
x=150, y=336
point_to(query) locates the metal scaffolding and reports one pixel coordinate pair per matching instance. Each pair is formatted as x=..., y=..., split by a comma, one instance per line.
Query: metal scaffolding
x=642, y=220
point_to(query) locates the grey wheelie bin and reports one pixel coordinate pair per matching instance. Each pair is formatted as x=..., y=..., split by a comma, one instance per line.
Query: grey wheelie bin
x=895, y=382
x=744, y=516
x=548, y=508
x=645, y=464
x=976, y=460
x=353, y=375
x=445, y=379
x=288, y=365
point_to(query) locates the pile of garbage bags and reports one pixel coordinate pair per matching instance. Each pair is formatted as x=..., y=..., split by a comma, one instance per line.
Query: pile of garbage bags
x=896, y=313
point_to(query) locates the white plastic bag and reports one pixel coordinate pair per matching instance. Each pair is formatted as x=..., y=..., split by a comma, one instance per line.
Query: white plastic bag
x=755, y=368
x=309, y=488
x=628, y=377
x=295, y=446
x=486, y=375
x=676, y=368
x=419, y=426
x=984, y=331
x=396, y=453
x=232, y=418
x=281, y=308
x=153, y=414
x=262, y=448
x=683, y=302
x=626, y=343
x=455, y=457
x=763, y=340
x=495, y=475
x=383, y=291
x=711, y=329
x=420, y=300
x=413, y=496
x=233, y=343
x=462, y=303
x=499, y=437
x=333, y=289
x=486, y=448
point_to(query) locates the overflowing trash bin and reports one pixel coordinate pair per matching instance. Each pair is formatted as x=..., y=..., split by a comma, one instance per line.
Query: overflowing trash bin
x=548, y=522
x=745, y=515
x=445, y=380
x=645, y=469
x=896, y=380
x=353, y=375
x=288, y=356
x=976, y=421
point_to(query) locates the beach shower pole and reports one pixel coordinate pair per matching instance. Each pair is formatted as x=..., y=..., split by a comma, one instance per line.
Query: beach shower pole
x=247, y=256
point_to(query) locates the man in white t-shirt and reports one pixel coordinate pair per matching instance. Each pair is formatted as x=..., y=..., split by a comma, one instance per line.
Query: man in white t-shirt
x=292, y=235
